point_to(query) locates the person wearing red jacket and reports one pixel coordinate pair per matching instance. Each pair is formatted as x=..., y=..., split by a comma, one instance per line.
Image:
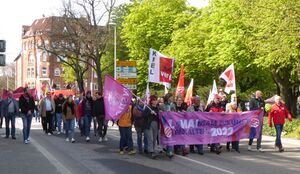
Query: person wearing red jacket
x=277, y=115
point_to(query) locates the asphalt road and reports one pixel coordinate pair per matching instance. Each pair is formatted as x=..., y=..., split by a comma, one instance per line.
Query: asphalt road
x=52, y=154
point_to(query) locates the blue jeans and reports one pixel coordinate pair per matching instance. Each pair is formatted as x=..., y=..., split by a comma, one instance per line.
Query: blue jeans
x=26, y=126
x=12, y=118
x=87, y=119
x=199, y=148
x=278, y=128
x=59, y=120
x=140, y=132
x=70, y=124
x=126, y=138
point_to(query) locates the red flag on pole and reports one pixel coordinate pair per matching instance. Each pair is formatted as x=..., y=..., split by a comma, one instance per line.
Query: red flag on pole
x=189, y=93
x=229, y=77
x=180, y=85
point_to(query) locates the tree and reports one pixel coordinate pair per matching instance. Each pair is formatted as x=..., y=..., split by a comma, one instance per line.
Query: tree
x=277, y=44
x=149, y=25
x=83, y=36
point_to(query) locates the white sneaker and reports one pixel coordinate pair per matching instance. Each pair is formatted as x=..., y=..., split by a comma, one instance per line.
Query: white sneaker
x=26, y=142
x=100, y=140
x=249, y=148
x=28, y=139
x=73, y=140
x=67, y=139
x=49, y=133
x=87, y=139
x=260, y=150
x=105, y=138
x=58, y=133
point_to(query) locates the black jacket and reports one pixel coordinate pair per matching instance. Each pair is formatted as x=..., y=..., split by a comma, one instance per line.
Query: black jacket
x=98, y=108
x=255, y=103
x=58, y=104
x=25, y=105
x=149, y=117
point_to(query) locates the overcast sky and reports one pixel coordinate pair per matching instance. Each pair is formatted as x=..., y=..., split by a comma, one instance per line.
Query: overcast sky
x=15, y=13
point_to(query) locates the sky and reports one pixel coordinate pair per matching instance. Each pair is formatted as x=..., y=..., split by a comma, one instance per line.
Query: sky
x=15, y=13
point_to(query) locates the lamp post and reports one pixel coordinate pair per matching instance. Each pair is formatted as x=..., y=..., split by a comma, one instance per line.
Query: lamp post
x=115, y=49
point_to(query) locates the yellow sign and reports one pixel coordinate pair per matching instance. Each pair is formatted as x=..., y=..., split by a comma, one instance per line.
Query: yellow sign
x=127, y=81
x=126, y=63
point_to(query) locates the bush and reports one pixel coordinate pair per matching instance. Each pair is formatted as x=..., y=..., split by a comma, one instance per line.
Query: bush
x=290, y=129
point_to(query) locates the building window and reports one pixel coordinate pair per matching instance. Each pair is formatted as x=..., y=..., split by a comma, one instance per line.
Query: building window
x=30, y=59
x=57, y=72
x=44, y=71
x=32, y=72
x=95, y=86
x=58, y=86
x=44, y=56
x=58, y=59
x=28, y=72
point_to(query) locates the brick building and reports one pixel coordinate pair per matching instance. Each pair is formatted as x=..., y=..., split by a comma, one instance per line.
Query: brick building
x=36, y=67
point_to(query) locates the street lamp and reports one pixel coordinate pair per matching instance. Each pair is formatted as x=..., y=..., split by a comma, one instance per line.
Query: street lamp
x=115, y=49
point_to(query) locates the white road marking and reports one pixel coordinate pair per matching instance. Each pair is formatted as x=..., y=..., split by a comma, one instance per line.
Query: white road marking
x=62, y=169
x=188, y=159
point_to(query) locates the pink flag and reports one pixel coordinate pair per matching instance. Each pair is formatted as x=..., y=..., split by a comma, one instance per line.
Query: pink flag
x=229, y=77
x=18, y=92
x=117, y=98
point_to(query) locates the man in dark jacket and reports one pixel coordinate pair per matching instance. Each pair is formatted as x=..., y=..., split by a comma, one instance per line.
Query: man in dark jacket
x=59, y=101
x=9, y=110
x=256, y=103
x=99, y=113
x=27, y=106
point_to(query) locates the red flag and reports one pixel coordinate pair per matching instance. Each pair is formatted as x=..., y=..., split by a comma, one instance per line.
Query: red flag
x=189, y=93
x=180, y=85
x=229, y=77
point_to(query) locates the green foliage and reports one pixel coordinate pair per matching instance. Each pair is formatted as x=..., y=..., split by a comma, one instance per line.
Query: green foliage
x=68, y=75
x=290, y=129
x=149, y=25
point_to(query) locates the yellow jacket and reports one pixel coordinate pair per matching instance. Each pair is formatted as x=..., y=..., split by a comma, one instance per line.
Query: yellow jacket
x=126, y=119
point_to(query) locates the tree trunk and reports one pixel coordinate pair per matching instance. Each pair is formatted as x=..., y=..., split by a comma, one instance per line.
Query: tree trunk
x=80, y=82
x=286, y=91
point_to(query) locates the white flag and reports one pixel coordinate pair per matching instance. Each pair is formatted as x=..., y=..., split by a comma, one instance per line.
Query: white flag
x=229, y=77
x=160, y=68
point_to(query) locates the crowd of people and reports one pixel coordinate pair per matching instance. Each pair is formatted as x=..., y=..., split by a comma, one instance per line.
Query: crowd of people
x=61, y=114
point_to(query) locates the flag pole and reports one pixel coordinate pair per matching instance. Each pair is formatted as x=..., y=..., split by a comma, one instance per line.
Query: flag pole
x=143, y=102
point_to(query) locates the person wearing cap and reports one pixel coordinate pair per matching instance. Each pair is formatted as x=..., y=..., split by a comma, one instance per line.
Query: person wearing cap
x=215, y=106
x=197, y=106
x=277, y=116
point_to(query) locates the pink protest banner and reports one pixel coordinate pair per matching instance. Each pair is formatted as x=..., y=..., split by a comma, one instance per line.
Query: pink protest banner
x=18, y=92
x=117, y=98
x=179, y=128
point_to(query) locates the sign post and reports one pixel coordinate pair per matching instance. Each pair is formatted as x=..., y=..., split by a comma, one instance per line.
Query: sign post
x=126, y=73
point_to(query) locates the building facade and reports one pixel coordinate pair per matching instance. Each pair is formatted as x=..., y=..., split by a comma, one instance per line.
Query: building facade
x=37, y=68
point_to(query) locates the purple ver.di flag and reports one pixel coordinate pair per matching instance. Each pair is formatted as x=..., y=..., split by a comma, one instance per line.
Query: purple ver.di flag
x=117, y=98
x=180, y=128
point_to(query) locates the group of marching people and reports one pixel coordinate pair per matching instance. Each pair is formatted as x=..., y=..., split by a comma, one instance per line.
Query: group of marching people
x=147, y=124
x=62, y=114
x=58, y=110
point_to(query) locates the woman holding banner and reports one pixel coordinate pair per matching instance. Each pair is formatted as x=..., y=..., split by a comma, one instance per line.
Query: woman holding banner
x=233, y=107
x=168, y=106
x=180, y=106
